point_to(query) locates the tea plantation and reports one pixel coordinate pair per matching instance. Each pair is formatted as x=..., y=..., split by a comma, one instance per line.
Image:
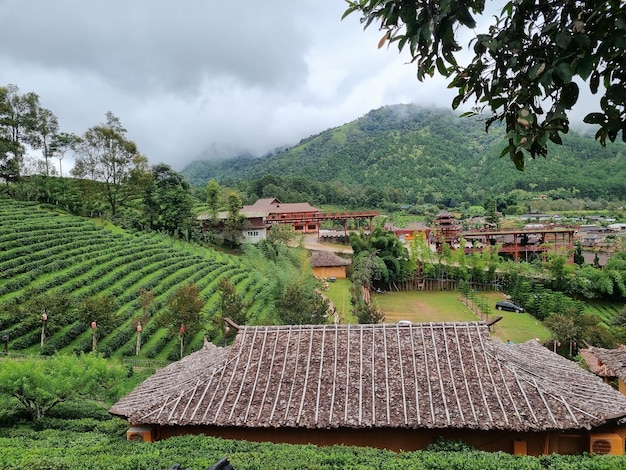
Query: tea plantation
x=44, y=251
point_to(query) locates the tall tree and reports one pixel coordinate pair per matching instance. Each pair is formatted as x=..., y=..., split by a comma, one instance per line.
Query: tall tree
x=182, y=312
x=300, y=305
x=167, y=200
x=105, y=154
x=19, y=115
x=231, y=304
x=60, y=144
x=213, y=199
x=46, y=127
x=523, y=68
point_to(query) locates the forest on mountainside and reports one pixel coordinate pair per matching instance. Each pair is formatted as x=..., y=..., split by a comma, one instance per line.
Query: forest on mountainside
x=405, y=154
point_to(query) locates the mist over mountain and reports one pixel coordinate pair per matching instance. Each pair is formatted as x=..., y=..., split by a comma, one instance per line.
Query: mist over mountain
x=428, y=155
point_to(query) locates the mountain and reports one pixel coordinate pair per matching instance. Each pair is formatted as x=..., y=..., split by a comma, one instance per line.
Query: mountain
x=429, y=155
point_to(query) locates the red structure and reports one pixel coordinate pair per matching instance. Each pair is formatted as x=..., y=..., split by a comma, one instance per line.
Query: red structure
x=446, y=230
x=520, y=242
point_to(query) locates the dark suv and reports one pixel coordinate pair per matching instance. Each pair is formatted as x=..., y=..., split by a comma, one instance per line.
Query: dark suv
x=509, y=306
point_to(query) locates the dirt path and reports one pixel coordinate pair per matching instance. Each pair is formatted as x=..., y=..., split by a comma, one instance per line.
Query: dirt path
x=311, y=242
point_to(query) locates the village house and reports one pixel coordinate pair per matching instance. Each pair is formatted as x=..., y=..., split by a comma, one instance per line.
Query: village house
x=264, y=213
x=396, y=386
x=329, y=265
x=412, y=231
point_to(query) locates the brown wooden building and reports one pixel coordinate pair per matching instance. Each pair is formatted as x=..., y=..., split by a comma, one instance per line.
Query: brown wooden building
x=328, y=264
x=395, y=386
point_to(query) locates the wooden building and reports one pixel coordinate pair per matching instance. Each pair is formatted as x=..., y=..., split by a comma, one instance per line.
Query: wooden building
x=446, y=230
x=259, y=217
x=328, y=264
x=395, y=386
x=412, y=231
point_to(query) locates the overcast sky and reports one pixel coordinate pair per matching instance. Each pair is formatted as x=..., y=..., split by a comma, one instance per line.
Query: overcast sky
x=192, y=77
x=189, y=75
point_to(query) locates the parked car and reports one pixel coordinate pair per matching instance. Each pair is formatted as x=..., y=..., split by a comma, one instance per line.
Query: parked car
x=509, y=306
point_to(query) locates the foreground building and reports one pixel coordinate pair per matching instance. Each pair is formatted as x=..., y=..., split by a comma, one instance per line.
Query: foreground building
x=395, y=386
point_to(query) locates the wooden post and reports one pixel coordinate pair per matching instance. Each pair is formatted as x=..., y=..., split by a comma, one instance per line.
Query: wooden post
x=44, y=318
x=138, y=346
x=94, y=341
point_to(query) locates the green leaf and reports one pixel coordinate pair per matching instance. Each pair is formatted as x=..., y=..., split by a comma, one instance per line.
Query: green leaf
x=594, y=118
x=569, y=95
x=556, y=138
x=458, y=99
x=585, y=67
x=564, y=72
x=536, y=70
x=563, y=39
x=518, y=160
x=441, y=68
x=594, y=82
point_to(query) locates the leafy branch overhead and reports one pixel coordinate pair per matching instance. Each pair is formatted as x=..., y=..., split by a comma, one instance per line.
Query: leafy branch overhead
x=525, y=70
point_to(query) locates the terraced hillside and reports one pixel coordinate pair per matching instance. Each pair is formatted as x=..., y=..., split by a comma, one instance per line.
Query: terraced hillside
x=44, y=251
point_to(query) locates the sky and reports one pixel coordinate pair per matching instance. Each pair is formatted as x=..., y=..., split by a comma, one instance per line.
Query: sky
x=190, y=77
x=193, y=79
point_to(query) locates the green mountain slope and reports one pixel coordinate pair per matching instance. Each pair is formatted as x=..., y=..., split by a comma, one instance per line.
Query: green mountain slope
x=429, y=155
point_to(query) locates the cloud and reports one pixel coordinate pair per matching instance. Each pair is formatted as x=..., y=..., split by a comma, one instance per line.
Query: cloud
x=187, y=77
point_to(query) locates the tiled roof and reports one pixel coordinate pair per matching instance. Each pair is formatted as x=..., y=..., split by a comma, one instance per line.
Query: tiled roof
x=431, y=375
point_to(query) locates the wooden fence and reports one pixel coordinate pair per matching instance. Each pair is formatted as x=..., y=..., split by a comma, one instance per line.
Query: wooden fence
x=434, y=285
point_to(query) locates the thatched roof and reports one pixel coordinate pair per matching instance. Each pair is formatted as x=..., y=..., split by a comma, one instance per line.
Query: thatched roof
x=432, y=375
x=325, y=259
x=606, y=362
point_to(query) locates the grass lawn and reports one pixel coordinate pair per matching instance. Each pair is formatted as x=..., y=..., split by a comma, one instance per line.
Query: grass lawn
x=447, y=306
x=339, y=294
x=422, y=307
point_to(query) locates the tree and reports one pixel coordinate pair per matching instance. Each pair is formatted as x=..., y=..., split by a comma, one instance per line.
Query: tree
x=300, y=305
x=45, y=129
x=182, y=312
x=234, y=219
x=39, y=385
x=99, y=312
x=386, y=246
x=18, y=121
x=61, y=143
x=104, y=154
x=524, y=69
x=167, y=200
x=231, y=304
x=579, y=259
x=213, y=198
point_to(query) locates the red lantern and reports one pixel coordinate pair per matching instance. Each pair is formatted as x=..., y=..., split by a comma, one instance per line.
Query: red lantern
x=93, y=325
x=44, y=316
x=139, y=327
x=182, y=329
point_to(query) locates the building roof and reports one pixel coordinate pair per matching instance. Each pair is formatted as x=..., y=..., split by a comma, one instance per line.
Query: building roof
x=410, y=227
x=431, y=375
x=274, y=206
x=325, y=259
x=606, y=362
